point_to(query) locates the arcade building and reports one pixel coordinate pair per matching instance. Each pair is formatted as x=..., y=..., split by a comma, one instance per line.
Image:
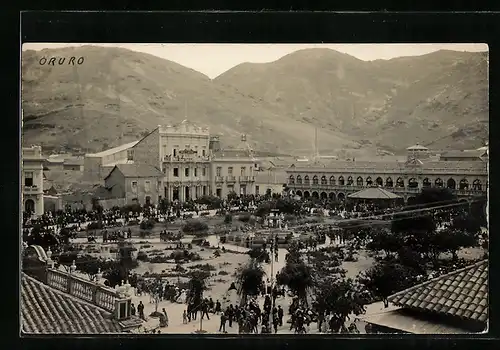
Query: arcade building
x=466, y=177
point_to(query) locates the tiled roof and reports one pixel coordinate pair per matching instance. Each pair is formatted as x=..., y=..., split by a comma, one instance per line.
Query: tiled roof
x=462, y=293
x=138, y=170
x=45, y=310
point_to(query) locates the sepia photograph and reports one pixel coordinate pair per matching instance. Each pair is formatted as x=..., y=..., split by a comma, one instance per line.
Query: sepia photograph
x=254, y=189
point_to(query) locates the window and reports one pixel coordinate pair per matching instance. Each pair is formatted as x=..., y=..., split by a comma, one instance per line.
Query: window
x=186, y=172
x=147, y=186
x=218, y=171
x=176, y=172
x=204, y=190
x=203, y=152
x=203, y=171
x=256, y=190
x=243, y=170
x=175, y=152
x=28, y=178
x=130, y=154
x=186, y=147
x=134, y=186
x=195, y=172
x=230, y=170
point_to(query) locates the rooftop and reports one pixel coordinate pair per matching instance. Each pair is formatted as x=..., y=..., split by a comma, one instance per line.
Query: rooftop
x=137, y=170
x=417, y=147
x=462, y=293
x=464, y=154
x=374, y=193
x=45, y=310
x=232, y=153
x=113, y=150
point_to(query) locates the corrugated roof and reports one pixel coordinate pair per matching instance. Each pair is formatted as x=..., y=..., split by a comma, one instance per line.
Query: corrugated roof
x=73, y=161
x=113, y=150
x=373, y=193
x=232, y=153
x=138, y=170
x=463, y=154
x=462, y=293
x=45, y=310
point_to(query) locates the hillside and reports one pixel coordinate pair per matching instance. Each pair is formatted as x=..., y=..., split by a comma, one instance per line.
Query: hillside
x=117, y=95
x=439, y=99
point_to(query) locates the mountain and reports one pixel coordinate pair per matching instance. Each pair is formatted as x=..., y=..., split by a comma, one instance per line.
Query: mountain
x=117, y=95
x=439, y=99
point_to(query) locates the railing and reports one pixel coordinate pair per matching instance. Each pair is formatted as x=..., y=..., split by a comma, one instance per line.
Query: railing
x=85, y=290
x=230, y=178
x=247, y=178
x=219, y=179
x=32, y=189
x=186, y=158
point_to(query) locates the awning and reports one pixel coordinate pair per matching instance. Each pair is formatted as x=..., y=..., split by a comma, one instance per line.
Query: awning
x=398, y=319
x=374, y=193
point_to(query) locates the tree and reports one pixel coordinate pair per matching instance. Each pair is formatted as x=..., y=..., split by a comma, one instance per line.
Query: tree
x=260, y=255
x=430, y=196
x=195, y=290
x=339, y=297
x=386, y=278
x=232, y=196
x=194, y=226
x=250, y=278
x=296, y=274
x=155, y=290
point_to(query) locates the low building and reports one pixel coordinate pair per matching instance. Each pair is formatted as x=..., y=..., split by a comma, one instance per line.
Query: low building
x=270, y=181
x=454, y=303
x=96, y=166
x=73, y=164
x=465, y=155
x=32, y=180
x=136, y=183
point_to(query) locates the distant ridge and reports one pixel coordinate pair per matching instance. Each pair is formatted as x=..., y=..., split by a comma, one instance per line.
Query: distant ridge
x=117, y=95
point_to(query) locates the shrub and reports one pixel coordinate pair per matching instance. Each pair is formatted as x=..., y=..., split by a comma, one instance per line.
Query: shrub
x=96, y=225
x=159, y=259
x=142, y=256
x=148, y=224
x=145, y=246
x=223, y=273
x=204, y=213
x=203, y=267
x=197, y=274
x=244, y=217
x=195, y=226
x=228, y=219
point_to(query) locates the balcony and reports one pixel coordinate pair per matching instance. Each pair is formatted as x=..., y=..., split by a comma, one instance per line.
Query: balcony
x=219, y=179
x=186, y=158
x=230, y=179
x=245, y=179
x=32, y=190
x=78, y=287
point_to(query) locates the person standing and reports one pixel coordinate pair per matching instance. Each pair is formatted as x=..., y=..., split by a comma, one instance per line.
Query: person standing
x=280, y=315
x=140, y=309
x=222, y=327
x=166, y=316
x=184, y=317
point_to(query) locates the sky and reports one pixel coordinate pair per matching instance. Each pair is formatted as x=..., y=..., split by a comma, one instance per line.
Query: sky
x=214, y=59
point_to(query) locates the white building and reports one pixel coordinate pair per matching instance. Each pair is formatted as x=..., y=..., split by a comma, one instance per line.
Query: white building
x=32, y=180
